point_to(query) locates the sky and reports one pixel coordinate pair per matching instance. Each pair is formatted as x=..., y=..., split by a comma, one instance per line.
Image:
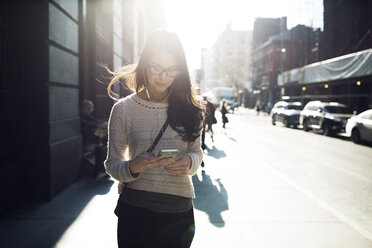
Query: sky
x=199, y=22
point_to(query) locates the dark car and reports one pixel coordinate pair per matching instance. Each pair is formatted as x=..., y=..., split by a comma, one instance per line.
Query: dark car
x=329, y=117
x=287, y=113
x=359, y=127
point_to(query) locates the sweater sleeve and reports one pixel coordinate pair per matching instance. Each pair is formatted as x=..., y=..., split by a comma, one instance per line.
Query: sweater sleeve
x=196, y=154
x=117, y=145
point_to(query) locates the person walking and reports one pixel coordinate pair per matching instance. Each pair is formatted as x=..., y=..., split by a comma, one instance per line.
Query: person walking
x=224, y=108
x=258, y=108
x=155, y=206
x=210, y=118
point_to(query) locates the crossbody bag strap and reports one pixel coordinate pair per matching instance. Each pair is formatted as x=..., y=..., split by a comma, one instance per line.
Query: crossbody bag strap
x=122, y=185
x=160, y=134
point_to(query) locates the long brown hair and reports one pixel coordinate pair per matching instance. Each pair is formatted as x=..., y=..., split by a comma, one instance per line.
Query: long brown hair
x=185, y=112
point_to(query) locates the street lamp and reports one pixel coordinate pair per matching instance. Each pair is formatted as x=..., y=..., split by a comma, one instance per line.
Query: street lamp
x=282, y=61
x=282, y=58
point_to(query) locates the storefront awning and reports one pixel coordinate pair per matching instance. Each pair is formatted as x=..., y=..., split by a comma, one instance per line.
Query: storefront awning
x=352, y=65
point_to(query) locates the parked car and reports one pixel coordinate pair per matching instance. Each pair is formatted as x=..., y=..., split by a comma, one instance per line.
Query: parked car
x=329, y=117
x=287, y=113
x=359, y=127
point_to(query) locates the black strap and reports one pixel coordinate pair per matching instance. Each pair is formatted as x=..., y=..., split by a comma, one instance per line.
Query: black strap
x=157, y=139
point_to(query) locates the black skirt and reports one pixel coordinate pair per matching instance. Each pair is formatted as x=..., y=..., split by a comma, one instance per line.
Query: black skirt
x=140, y=227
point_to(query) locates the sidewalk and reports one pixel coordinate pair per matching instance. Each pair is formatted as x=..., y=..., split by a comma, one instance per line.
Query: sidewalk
x=81, y=216
x=238, y=204
x=271, y=214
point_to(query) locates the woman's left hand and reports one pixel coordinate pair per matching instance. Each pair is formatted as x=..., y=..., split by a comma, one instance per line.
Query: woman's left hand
x=181, y=165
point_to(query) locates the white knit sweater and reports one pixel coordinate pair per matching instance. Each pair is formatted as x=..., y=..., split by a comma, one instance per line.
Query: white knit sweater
x=134, y=124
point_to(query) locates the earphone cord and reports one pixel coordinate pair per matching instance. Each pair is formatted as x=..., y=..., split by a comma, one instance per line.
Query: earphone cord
x=148, y=95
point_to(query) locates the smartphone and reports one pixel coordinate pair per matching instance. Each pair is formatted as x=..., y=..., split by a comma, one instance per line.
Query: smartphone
x=169, y=153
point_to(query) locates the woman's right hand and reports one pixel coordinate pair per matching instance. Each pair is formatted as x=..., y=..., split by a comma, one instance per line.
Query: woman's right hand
x=146, y=161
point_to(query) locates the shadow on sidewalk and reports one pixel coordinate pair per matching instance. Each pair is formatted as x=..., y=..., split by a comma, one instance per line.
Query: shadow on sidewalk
x=42, y=224
x=214, y=152
x=210, y=198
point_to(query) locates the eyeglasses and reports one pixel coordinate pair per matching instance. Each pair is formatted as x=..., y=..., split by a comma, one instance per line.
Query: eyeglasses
x=157, y=70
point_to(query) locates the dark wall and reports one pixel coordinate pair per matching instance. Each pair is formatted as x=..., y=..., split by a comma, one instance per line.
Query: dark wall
x=97, y=46
x=40, y=130
x=63, y=87
x=347, y=27
x=12, y=98
x=304, y=46
x=24, y=171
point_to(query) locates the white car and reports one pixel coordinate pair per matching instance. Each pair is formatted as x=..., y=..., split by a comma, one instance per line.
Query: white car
x=359, y=127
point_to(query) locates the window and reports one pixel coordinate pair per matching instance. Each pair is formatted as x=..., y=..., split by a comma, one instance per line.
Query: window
x=294, y=107
x=367, y=117
x=337, y=110
x=312, y=108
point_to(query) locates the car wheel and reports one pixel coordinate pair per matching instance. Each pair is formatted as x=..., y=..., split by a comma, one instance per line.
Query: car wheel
x=273, y=120
x=355, y=136
x=327, y=130
x=305, y=127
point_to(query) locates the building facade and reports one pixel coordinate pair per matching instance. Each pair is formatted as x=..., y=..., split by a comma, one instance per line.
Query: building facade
x=264, y=28
x=347, y=27
x=54, y=55
x=227, y=62
x=278, y=50
x=343, y=74
x=268, y=61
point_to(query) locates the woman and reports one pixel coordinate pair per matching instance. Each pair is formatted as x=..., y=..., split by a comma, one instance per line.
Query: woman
x=155, y=208
x=224, y=108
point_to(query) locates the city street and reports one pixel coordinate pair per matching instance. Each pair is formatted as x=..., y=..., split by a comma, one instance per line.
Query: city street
x=284, y=187
x=262, y=186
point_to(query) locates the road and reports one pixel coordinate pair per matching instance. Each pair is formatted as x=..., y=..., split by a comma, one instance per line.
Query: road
x=281, y=182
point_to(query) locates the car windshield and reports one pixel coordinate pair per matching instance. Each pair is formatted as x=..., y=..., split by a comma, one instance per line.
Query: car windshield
x=294, y=107
x=337, y=110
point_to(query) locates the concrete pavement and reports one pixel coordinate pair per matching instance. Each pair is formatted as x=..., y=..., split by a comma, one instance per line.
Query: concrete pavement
x=240, y=202
x=263, y=207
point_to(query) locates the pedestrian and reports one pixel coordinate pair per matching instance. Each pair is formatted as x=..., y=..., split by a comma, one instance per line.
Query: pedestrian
x=269, y=107
x=209, y=120
x=89, y=126
x=155, y=206
x=224, y=108
x=263, y=108
x=210, y=117
x=258, y=108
